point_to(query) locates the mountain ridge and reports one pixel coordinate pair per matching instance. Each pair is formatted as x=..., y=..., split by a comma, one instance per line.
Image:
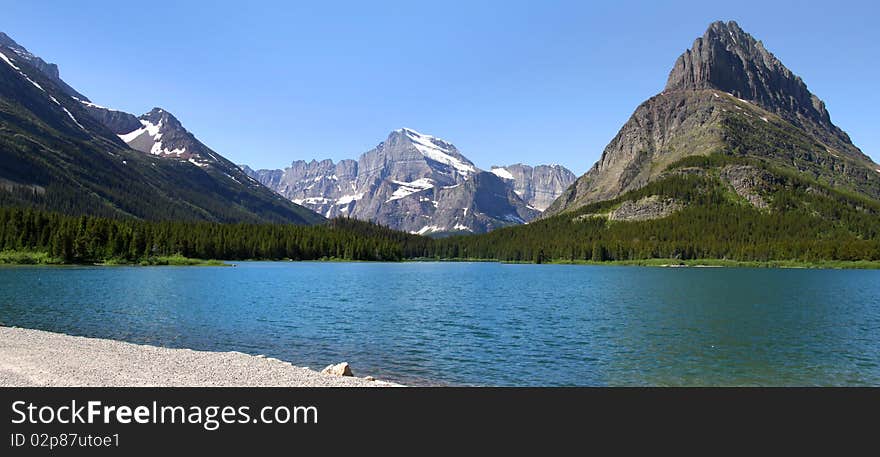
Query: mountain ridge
x=417, y=183
x=57, y=155
x=50, y=70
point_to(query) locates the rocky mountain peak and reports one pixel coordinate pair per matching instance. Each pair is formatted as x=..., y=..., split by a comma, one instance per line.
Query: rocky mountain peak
x=726, y=94
x=727, y=58
x=159, y=116
x=431, y=148
x=160, y=133
x=416, y=137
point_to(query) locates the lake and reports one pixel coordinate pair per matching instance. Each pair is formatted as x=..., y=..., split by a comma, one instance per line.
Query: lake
x=482, y=323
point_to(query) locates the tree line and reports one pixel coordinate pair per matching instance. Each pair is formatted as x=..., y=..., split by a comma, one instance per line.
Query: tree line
x=87, y=239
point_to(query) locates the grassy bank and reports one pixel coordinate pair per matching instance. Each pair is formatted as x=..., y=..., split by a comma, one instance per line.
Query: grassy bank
x=28, y=258
x=180, y=261
x=9, y=257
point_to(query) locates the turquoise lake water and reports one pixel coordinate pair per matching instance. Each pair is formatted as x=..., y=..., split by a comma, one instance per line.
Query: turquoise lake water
x=482, y=323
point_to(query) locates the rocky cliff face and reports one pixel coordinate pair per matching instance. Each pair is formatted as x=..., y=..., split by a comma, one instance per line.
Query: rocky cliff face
x=730, y=60
x=538, y=186
x=322, y=186
x=479, y=204
x=418, y=183
x=727, y=94
x=662, y=130
x=119, y=122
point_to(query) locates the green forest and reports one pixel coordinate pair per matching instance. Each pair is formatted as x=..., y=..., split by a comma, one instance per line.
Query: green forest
x=84, y=239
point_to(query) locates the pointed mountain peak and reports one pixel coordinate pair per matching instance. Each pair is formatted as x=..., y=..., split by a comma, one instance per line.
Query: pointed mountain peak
x=160, y=133
x=432, y=148
x=724, y=58
x=157, y=113
x=161, y=118
x=417, y=137
x=692, y=117
x=728, y=59
x=730, y=29
x=414, y=135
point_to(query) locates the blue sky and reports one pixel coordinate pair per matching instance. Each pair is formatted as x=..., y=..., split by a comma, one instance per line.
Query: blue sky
x=513, y=81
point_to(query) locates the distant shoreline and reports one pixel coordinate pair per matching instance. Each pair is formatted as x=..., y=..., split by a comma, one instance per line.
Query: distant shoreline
x=36, y=358
x=695, y=263
x=18, y=258
x=719, y=263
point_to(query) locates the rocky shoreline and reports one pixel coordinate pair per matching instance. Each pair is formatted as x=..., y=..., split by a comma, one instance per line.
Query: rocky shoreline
x=36, y=358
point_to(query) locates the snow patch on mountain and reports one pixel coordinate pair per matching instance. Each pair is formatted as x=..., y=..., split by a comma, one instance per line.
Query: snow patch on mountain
x=195, y=162
x=437, y=150
x=346, y=199
x=71, y=116
x=15, y=67
x=427, y=229
x=157, y=149
x=131, y=136
x=92, y=105
x=25, y=76
x=154, y=132
x=311, y=201
x=408, y=188
x=501, y=173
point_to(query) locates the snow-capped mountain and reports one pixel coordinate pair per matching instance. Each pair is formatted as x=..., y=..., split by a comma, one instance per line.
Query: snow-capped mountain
x=417, y=183
x=161, y=134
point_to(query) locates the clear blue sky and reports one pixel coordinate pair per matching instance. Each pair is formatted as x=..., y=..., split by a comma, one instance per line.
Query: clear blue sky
x=506, y=81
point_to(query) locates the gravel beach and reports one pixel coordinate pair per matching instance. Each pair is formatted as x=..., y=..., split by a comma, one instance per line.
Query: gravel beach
x=34, y=358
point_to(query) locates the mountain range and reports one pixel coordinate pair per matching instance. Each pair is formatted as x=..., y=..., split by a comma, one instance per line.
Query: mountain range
x=420, y=184
x=64, y=152
x=735, y=158
x=59, y=151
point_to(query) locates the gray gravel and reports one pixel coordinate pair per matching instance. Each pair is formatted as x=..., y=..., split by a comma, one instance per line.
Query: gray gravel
x=37, y=358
